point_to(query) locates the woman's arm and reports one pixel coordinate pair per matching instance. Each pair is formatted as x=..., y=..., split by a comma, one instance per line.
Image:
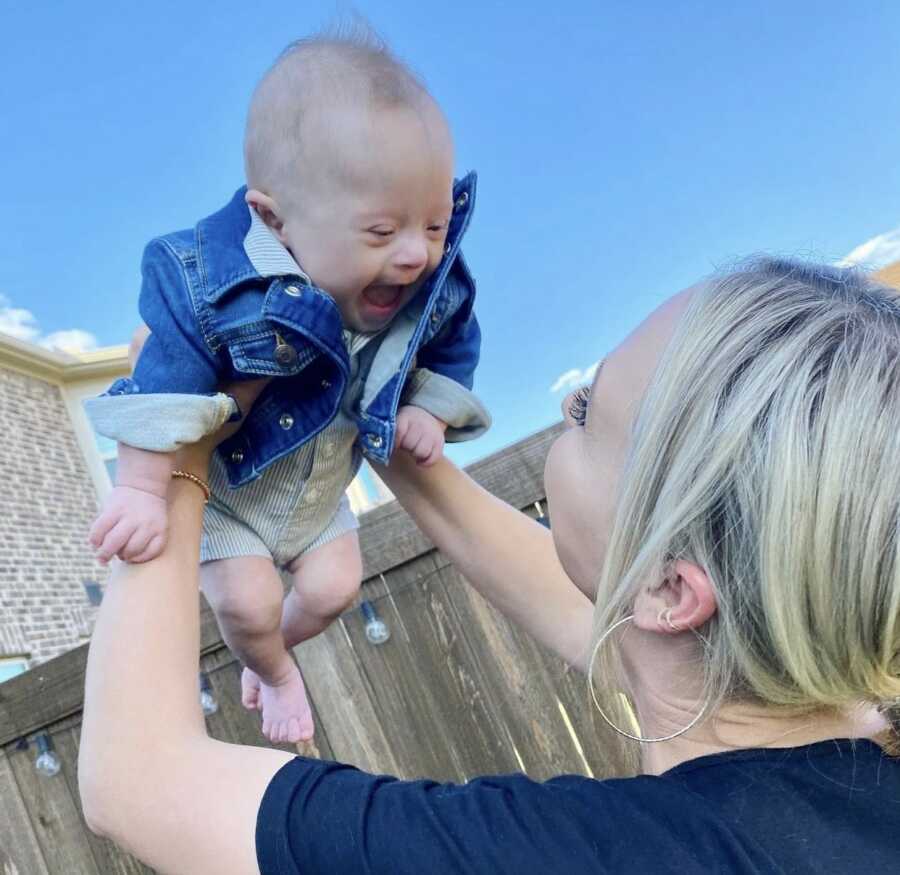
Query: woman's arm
x=150, y=777
x=505, y=555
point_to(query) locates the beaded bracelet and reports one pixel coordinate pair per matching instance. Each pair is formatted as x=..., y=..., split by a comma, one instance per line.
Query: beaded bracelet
x=186, y=475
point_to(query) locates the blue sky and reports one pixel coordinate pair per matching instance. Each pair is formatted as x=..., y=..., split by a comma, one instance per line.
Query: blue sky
x=624, y=150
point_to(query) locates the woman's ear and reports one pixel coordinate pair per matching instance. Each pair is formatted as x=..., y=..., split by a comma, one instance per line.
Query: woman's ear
x=269, y=211
x=684, y=600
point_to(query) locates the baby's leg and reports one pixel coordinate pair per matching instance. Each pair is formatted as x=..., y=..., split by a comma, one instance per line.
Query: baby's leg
x=325, y=583
x=245, y=592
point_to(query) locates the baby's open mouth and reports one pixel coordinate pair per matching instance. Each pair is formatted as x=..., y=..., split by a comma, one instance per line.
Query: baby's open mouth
x=383, y=297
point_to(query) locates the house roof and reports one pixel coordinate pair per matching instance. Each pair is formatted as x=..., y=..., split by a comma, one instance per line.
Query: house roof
x=62, y=367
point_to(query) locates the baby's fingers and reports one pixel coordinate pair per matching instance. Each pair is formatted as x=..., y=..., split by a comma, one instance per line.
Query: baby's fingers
x=115, y=540
x=152, y=550
x=136, y=544
x=412, y=437
x=101, y=527
x=435, y=453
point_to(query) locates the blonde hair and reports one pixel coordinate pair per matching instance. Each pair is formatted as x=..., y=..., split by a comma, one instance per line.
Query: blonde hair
x=345, y=64
x=766, y=451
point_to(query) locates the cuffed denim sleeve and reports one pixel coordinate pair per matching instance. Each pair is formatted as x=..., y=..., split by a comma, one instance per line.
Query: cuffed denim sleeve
x=171, y=399
x=466, y=417
x=161, y=422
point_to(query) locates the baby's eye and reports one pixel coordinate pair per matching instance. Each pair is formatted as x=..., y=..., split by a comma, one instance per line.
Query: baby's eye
x=437, y=228
x=381, y=231
x=578, y=404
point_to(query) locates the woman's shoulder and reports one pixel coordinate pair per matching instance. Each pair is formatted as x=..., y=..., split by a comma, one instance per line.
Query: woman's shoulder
x=739, y=811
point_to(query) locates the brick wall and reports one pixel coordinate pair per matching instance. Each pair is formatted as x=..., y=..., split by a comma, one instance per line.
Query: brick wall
x=47, y=502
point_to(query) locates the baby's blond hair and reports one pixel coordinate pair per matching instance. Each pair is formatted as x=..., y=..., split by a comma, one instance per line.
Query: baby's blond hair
x=346, y=65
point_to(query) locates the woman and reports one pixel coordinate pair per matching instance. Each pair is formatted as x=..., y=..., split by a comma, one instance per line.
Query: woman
x=726, y=492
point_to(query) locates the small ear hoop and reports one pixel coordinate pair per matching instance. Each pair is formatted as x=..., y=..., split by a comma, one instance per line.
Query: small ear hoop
x=665, y=615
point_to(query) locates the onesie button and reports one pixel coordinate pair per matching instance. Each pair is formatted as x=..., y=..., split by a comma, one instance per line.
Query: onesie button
x=237, y=457
x=286, y=421
x=374, y=440
x=461, y=201
x=312, y=494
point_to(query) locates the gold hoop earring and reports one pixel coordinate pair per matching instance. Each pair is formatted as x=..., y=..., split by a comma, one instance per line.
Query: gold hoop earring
x=602, y=713
x=665, y=615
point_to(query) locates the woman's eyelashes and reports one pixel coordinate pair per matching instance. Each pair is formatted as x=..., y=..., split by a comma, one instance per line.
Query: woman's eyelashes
x=578, y=404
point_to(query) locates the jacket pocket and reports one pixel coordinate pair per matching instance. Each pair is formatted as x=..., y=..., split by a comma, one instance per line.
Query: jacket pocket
x=273, y=354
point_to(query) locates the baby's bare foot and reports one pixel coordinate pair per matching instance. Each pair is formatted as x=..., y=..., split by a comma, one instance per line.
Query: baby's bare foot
x=250, y=684
x=286, y=715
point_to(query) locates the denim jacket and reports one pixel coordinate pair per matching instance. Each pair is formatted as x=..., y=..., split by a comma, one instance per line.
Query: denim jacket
x=214, y=318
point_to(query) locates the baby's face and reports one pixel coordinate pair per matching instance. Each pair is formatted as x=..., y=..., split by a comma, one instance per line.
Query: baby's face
x=372, y=224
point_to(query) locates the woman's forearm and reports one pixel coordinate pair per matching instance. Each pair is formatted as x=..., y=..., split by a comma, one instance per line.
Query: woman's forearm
x=141, y=696
x=505, y=555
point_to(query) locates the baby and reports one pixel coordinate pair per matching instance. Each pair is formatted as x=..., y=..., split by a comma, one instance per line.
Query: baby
x=336, y=272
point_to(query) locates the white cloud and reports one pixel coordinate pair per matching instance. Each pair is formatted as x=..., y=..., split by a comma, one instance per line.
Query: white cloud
x=574, y=377
x=875, y=253
x=21, y=324
x=72, y=340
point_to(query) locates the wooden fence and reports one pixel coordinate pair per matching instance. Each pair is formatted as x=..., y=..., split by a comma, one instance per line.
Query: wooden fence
x=456, y=691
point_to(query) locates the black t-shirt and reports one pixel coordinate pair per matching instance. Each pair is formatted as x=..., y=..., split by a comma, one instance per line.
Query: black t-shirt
x=827, y=807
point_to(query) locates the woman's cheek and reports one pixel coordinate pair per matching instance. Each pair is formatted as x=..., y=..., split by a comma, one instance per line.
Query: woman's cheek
x=572, y=515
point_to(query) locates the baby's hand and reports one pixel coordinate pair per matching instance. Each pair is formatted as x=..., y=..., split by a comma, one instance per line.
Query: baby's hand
x=420, y=433
x=133, y=525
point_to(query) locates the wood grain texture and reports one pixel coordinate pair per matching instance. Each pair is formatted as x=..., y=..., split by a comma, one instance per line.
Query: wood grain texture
x=20, y=852
x=54, y=817
x=339, y=686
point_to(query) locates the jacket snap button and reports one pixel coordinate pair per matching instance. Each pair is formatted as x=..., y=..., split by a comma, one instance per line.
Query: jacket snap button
x=293, y=291
x=461, y=201
x=285, y=354
x=237, y=457
x=286, y=421
x=447, y=249
x=435, y=318
x=375, y=440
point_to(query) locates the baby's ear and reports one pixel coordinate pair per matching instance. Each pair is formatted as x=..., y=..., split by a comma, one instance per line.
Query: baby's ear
x=268, y=210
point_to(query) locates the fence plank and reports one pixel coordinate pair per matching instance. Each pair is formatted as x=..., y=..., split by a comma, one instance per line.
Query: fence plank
x=20, y=853
x=544, y=704
x=55, y=818
x=425, y=686
x=338, y=685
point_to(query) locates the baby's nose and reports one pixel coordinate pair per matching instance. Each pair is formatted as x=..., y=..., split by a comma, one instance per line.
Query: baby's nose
x=412, y=256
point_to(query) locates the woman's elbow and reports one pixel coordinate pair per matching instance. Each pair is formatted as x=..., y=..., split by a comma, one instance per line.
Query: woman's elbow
x=103, y=800
x=94, y=807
